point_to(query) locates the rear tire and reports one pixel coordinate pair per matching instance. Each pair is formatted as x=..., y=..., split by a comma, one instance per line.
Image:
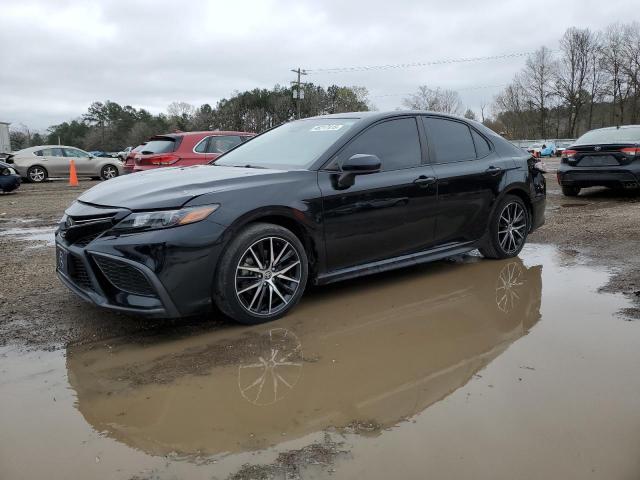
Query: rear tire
x=37, y=174
x=568, y=191
x=262, y=274
x=508, y=229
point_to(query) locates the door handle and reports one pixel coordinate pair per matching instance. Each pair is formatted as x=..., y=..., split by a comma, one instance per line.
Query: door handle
x=493, y=170
x=424, y=181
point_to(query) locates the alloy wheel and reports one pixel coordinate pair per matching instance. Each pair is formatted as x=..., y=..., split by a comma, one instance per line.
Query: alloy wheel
x=109, y=172
x=268, y=276
x=36, y=174
x=512, y=227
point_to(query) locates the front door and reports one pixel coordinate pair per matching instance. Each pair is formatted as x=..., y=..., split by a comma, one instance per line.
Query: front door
x=85, y=165
x=385, y=214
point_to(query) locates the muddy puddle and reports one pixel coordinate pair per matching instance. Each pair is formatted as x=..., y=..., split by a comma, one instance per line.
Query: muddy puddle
x=36, y=236
x=461, y=369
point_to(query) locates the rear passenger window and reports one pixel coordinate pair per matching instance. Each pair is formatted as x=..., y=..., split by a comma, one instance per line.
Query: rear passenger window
x=394, y=142
x=451, y=140
x=50, y=152
x=482, y=146
x=202, y=146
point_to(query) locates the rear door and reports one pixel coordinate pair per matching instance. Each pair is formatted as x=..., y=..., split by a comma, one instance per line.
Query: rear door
x=385, y=214
x=54, y=161
x=469, y=174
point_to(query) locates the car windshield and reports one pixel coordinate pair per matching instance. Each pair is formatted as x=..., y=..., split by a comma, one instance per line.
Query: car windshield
x=610, y=135
x=159, y=145
x=294, y=145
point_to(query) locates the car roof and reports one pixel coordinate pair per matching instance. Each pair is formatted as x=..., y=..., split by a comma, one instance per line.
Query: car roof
x=621, y=127
x=40, y=147
x=201, y=133
x=374, y=116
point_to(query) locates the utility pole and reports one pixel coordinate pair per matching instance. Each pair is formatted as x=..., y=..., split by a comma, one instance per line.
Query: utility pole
x=298, y=93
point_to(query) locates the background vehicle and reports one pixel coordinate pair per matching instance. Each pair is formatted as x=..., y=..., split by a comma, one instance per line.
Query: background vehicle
x=129, y=162
x=123, y=154
x=561, y=146
x=186, y=148
x=321, y=199
x=36, y=164
x=9, y=178
x=608, y=157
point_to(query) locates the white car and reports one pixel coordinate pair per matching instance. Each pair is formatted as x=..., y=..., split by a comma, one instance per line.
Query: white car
x=36, y=164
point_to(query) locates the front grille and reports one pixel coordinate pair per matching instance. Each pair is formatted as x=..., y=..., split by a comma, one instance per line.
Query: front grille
x=81, y=231
x=78, y=273
x=124, y=276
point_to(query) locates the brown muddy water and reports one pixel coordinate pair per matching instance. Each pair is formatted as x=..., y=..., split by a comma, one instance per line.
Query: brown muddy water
x=460, y=369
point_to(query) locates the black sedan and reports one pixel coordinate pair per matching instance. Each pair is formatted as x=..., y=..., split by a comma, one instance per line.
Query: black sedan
x=315, y=200
x=9, y=178
x=607, y=157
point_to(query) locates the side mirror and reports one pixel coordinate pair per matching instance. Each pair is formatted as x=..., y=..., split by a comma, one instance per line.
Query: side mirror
x=358, y=164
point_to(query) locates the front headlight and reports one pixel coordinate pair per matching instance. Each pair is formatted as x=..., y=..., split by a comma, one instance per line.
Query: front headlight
x=166, y=218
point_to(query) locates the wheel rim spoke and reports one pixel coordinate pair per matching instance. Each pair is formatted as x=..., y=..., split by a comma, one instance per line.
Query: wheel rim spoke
x=260, y=288
x=511, y=225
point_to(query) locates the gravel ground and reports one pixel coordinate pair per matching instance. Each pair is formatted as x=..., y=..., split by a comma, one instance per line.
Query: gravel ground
x=36, y=311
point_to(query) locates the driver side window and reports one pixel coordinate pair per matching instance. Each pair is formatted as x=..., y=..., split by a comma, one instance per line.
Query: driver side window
x=394, y=142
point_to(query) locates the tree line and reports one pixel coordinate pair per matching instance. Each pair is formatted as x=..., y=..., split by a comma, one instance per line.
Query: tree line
x=108, y=126
x=593, y=81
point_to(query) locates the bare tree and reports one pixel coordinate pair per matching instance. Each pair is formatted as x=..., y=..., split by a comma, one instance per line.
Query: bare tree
x=572, y=74
x=613, y=60
x=537, y=82
x=631, y=65
x=436, y=100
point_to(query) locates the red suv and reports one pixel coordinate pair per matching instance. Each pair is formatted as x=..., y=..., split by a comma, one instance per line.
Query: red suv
x=186, y=148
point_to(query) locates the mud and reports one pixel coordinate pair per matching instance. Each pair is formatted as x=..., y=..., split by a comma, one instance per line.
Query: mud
x=464, y=368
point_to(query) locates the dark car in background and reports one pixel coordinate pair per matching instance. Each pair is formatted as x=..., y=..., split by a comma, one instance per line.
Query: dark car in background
x=186, y=148
x=607, y=157
x=316, y=200
x=9, y=178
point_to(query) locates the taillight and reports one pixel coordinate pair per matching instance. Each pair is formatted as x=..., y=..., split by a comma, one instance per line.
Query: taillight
x=169, y=159
x=569, y=153
x=631, y=151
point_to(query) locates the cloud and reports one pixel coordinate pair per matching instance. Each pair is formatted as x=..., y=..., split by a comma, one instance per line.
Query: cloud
x=59, y=56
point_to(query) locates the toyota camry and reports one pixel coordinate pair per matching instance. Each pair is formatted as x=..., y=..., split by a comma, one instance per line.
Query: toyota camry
x=311, y=201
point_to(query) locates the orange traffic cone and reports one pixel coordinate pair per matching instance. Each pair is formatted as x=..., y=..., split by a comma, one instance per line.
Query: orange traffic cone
x=73, y=176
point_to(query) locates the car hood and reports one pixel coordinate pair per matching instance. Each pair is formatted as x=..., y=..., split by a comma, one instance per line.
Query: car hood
x=172, y=187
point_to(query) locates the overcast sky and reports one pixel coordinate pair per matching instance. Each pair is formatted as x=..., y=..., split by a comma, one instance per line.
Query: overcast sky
x=56, y=57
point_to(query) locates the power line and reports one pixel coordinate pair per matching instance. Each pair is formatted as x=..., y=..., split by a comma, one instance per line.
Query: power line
x=477, y=87
x=445, y=61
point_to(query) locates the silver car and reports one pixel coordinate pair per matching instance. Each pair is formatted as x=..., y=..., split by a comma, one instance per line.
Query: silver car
x=36, y=164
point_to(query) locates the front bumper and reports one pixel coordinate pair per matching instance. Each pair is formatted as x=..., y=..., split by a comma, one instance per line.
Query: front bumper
x=626, y=176
x=164, y=273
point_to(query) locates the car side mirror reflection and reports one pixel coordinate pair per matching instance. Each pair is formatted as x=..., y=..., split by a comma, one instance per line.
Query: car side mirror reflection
x=358, y=164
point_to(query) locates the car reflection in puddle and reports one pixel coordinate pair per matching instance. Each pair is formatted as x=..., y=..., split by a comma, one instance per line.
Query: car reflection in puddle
x=378, y=351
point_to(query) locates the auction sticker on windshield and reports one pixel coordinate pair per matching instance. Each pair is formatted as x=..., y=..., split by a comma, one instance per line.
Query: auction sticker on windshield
x=327, y=128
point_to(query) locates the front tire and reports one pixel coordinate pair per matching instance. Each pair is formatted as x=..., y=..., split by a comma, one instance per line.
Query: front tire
x=262, y=274
x=109, y=171
x=508, y=229
x=37, y=174
x=568, y=191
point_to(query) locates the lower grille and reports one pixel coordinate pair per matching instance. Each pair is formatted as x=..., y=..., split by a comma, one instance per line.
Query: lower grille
x=78, y=273
x=124, y=276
